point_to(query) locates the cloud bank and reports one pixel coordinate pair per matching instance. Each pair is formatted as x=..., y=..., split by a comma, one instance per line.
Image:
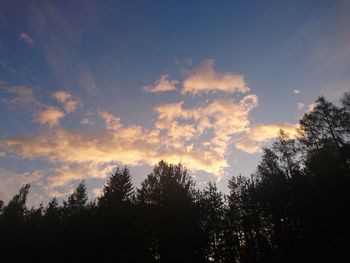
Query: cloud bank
x=198, y=136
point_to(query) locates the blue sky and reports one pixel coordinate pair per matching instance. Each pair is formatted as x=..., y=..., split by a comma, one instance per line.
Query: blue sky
x=87, y=85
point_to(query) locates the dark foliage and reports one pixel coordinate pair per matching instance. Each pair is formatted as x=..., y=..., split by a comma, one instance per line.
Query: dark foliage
x=292, y=209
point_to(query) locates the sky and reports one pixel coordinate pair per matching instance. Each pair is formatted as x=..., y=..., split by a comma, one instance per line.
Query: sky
x=86, y=86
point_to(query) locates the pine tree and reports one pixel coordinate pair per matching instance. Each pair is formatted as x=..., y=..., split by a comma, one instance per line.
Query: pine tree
x=15, y=211
x=212, y=222
x=167, y=198
x=118, y=189
x=76, y=202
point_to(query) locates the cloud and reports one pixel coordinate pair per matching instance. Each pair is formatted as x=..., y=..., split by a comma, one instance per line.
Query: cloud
x=164, y=84
x=198, y=137
x=69, y=104
x=250, y=142
x=300, y=105
x=23, y=95
x=86, y=121
x=223, y=118
x=26, y=38
x=65, y=174
x=86, y=79
x=2, y=154
x=42, y=113
x=12, y=181
x=50, y=116
x=296, y=91
x=205, y=79
x=112, y=122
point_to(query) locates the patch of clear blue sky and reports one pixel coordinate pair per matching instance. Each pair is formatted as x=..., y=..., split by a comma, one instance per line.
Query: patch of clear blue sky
x=120, y=46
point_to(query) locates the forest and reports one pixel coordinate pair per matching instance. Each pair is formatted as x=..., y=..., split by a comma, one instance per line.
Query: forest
x=293, y=208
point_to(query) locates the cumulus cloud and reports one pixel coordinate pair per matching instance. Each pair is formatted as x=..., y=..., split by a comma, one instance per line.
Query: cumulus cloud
x=26, y=38
x=224, y=118
x=205, y=79
x=250, y=142
x=69, y=104
x=50, y=116
x=164, y=84
x=42, y=113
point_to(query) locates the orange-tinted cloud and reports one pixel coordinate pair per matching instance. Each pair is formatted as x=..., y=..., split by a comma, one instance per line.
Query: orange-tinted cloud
x=68, y=102
x=175, y=137
x=250, y=142
x=43, y=113
x=163, y=84
x=197, y=136
x=50, y=116
x=65, y=174
x=205, y=79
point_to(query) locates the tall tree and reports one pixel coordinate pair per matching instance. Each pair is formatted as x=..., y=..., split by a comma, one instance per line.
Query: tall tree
x=14, y=211
x=77, y=201
x=168, y=197
x=212, y=211
x=287, y=150
x=118, y=189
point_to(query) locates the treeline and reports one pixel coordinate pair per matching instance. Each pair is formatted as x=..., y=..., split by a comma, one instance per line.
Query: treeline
x=294, y=208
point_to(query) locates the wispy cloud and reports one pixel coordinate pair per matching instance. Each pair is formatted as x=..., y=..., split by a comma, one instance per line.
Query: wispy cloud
x=300, y=105
x=163, y=84
x=23, y=95
x=86, y=80
x=26, y=38
x=205, y=79
x=296, y=91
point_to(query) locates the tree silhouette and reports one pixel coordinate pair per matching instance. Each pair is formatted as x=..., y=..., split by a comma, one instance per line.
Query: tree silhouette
x=292, y=208
x=212, y=223
x=118, y=189
x=167, y=194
